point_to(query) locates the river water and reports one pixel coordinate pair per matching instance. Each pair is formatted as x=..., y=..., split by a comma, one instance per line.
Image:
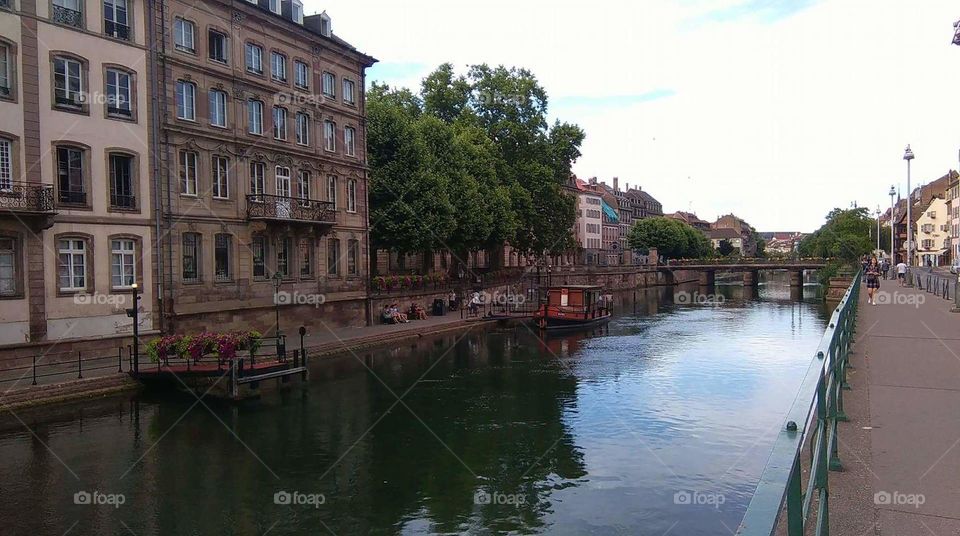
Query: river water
x=660, y=423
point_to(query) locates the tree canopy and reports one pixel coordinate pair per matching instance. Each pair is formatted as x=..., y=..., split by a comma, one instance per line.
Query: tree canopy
x=469, y=162
x=672, y=238
x=847, y=235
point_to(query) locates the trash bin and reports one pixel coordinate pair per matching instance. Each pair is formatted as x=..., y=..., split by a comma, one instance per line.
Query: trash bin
x=439, y=308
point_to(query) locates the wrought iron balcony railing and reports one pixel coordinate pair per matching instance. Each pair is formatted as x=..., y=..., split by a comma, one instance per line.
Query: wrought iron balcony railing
x=26, y=197
x=116, y=29
x=283, y=208
x=122, y=201
x=114, y=110
x=72, y=197
x=65, y=15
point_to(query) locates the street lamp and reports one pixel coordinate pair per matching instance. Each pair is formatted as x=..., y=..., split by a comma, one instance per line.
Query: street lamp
x=878, y=231
x=277, y=281
x=893, y=235
x=908, y=156
x=134, y=314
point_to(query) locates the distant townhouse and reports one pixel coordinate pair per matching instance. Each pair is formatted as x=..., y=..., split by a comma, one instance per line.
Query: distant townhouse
x=589, y=221
x=77, y=215
x=953, y=212
x=744, y=230
x=933, y=236
x=690, y=219
x=731, y=236
x=264, y=175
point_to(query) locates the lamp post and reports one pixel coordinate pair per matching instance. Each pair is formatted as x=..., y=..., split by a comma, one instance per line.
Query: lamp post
x=277, y=281
x=893, y=259
x=878, y=231
x=134, y=314
x=908, y=156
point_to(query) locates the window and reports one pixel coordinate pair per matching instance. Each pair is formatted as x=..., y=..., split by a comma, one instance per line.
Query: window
x=302, y=79
x=296, y=11
x=284, y=247
x=217, y=46
x=6, y=164
x=275, y=6
x=349, y=141
x=254, y=55
x=5, y=67
x=70, y=175
x=221, y=183
x=332, y=190
x=221, y=257
x=329, y=81
x=191, y=257
x=68, y=12
x=186, y=101
x=258, y=248
x=218, y=108
x=257, y=171
x=73, y=264
x=183, y=32
x=122, y=263
x=255, y=116
x=9, y=280
x=279, y=123
x=306, y=257
x=353, y=256
x=325, y=28
x=121, y=181
x=348, y=91
x=278, y=67
x=115, y=23
x=68, y=82
x=188, y=173
x=352, y=195
x=118, y=93
x=333, y=256
x=303, y=188
x=330, y=135
x=303, y=128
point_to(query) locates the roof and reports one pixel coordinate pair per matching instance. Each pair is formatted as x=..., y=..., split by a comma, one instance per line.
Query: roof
x=723, y=233
x=608, y=210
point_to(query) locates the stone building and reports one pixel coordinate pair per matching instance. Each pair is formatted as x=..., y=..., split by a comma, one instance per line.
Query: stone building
x=77, y=215
x=745, y=231
x=263, y=175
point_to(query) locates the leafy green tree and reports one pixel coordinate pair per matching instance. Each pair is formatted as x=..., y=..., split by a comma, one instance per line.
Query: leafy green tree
x=671, y=238
x=846, y=235
x=445, y=95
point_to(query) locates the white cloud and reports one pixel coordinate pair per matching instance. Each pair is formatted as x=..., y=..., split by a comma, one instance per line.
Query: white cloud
x=778, y=119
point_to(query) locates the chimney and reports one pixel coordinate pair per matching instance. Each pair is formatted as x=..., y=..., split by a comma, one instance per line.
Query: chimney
x=616, y=184
x=627, y=185
x=593, y=181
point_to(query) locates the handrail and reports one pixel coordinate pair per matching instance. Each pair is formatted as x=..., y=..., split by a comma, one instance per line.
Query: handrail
x=813, y=417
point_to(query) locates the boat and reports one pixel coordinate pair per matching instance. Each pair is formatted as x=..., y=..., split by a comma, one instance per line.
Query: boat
x=571, y=306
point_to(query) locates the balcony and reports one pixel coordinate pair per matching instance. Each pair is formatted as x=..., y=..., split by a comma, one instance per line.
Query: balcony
x=116, y=29
x=282, y=209
x=28, y=202
x=65, y=15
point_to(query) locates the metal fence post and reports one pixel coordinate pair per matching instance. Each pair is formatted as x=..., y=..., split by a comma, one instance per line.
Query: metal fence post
x=119, y=359
x=79, y=366
x=34, y=369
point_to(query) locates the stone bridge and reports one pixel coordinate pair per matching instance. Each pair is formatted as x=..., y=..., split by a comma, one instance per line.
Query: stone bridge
x=750, y=268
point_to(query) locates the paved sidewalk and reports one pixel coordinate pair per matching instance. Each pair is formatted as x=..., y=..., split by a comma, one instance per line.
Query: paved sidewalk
x=901, y=448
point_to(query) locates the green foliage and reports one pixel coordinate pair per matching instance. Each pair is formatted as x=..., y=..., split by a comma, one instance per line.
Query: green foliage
x=846, y=235
x=725, y=248
x=672, y=238
x=470, y=163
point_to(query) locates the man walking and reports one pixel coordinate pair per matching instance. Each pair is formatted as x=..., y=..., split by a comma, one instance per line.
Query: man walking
x=902, y=273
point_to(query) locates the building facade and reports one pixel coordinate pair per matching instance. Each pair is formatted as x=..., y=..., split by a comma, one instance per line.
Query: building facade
x=77, y=219
x=263, y=179
x=746, y=232
x=933, y=233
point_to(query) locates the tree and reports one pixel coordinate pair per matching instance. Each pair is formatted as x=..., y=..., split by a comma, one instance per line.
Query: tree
x=672, y=238
x=846, y=235
x=725, y=248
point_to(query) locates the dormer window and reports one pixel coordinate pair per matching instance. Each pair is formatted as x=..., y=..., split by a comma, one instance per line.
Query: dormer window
x=275, y=6
x=325, y=26
x=297, y=11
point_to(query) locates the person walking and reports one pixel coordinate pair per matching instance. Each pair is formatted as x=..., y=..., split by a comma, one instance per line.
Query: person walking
x=902, y=273
x=873, y=280
x=885, y=267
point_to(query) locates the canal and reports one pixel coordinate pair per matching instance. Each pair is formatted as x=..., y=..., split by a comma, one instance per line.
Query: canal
x=659, y=423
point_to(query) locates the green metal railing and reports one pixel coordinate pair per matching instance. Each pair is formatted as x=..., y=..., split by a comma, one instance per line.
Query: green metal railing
x=812, y=419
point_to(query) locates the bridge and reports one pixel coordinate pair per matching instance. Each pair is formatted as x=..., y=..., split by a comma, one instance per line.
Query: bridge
x=750, y=268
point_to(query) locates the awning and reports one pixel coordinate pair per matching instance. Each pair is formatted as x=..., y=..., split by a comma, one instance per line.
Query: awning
x=608, y=210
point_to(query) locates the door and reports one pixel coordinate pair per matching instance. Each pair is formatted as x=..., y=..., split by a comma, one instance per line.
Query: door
x=283, y=192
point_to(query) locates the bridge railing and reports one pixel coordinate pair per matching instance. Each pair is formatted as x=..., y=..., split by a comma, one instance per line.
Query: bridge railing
x=942, y=285
x=812, y=420
x=722, y=261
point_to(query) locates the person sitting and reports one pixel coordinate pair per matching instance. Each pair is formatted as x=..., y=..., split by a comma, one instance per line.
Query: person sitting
x=400, y=317
x=418, y=312
x=475, y=304
x=388, y=316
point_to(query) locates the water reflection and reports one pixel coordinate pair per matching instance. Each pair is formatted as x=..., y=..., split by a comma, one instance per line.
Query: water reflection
x=601, y=431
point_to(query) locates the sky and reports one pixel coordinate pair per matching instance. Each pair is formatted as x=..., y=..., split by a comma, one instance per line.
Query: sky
x=775, y=110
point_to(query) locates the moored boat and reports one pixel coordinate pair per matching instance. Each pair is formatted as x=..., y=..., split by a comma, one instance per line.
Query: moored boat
x=570, y=306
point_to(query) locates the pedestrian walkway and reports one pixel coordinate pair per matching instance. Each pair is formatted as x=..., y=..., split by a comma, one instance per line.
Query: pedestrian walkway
x=901, y=448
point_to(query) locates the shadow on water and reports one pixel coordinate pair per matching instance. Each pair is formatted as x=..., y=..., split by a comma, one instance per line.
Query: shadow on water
x=655, y=422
